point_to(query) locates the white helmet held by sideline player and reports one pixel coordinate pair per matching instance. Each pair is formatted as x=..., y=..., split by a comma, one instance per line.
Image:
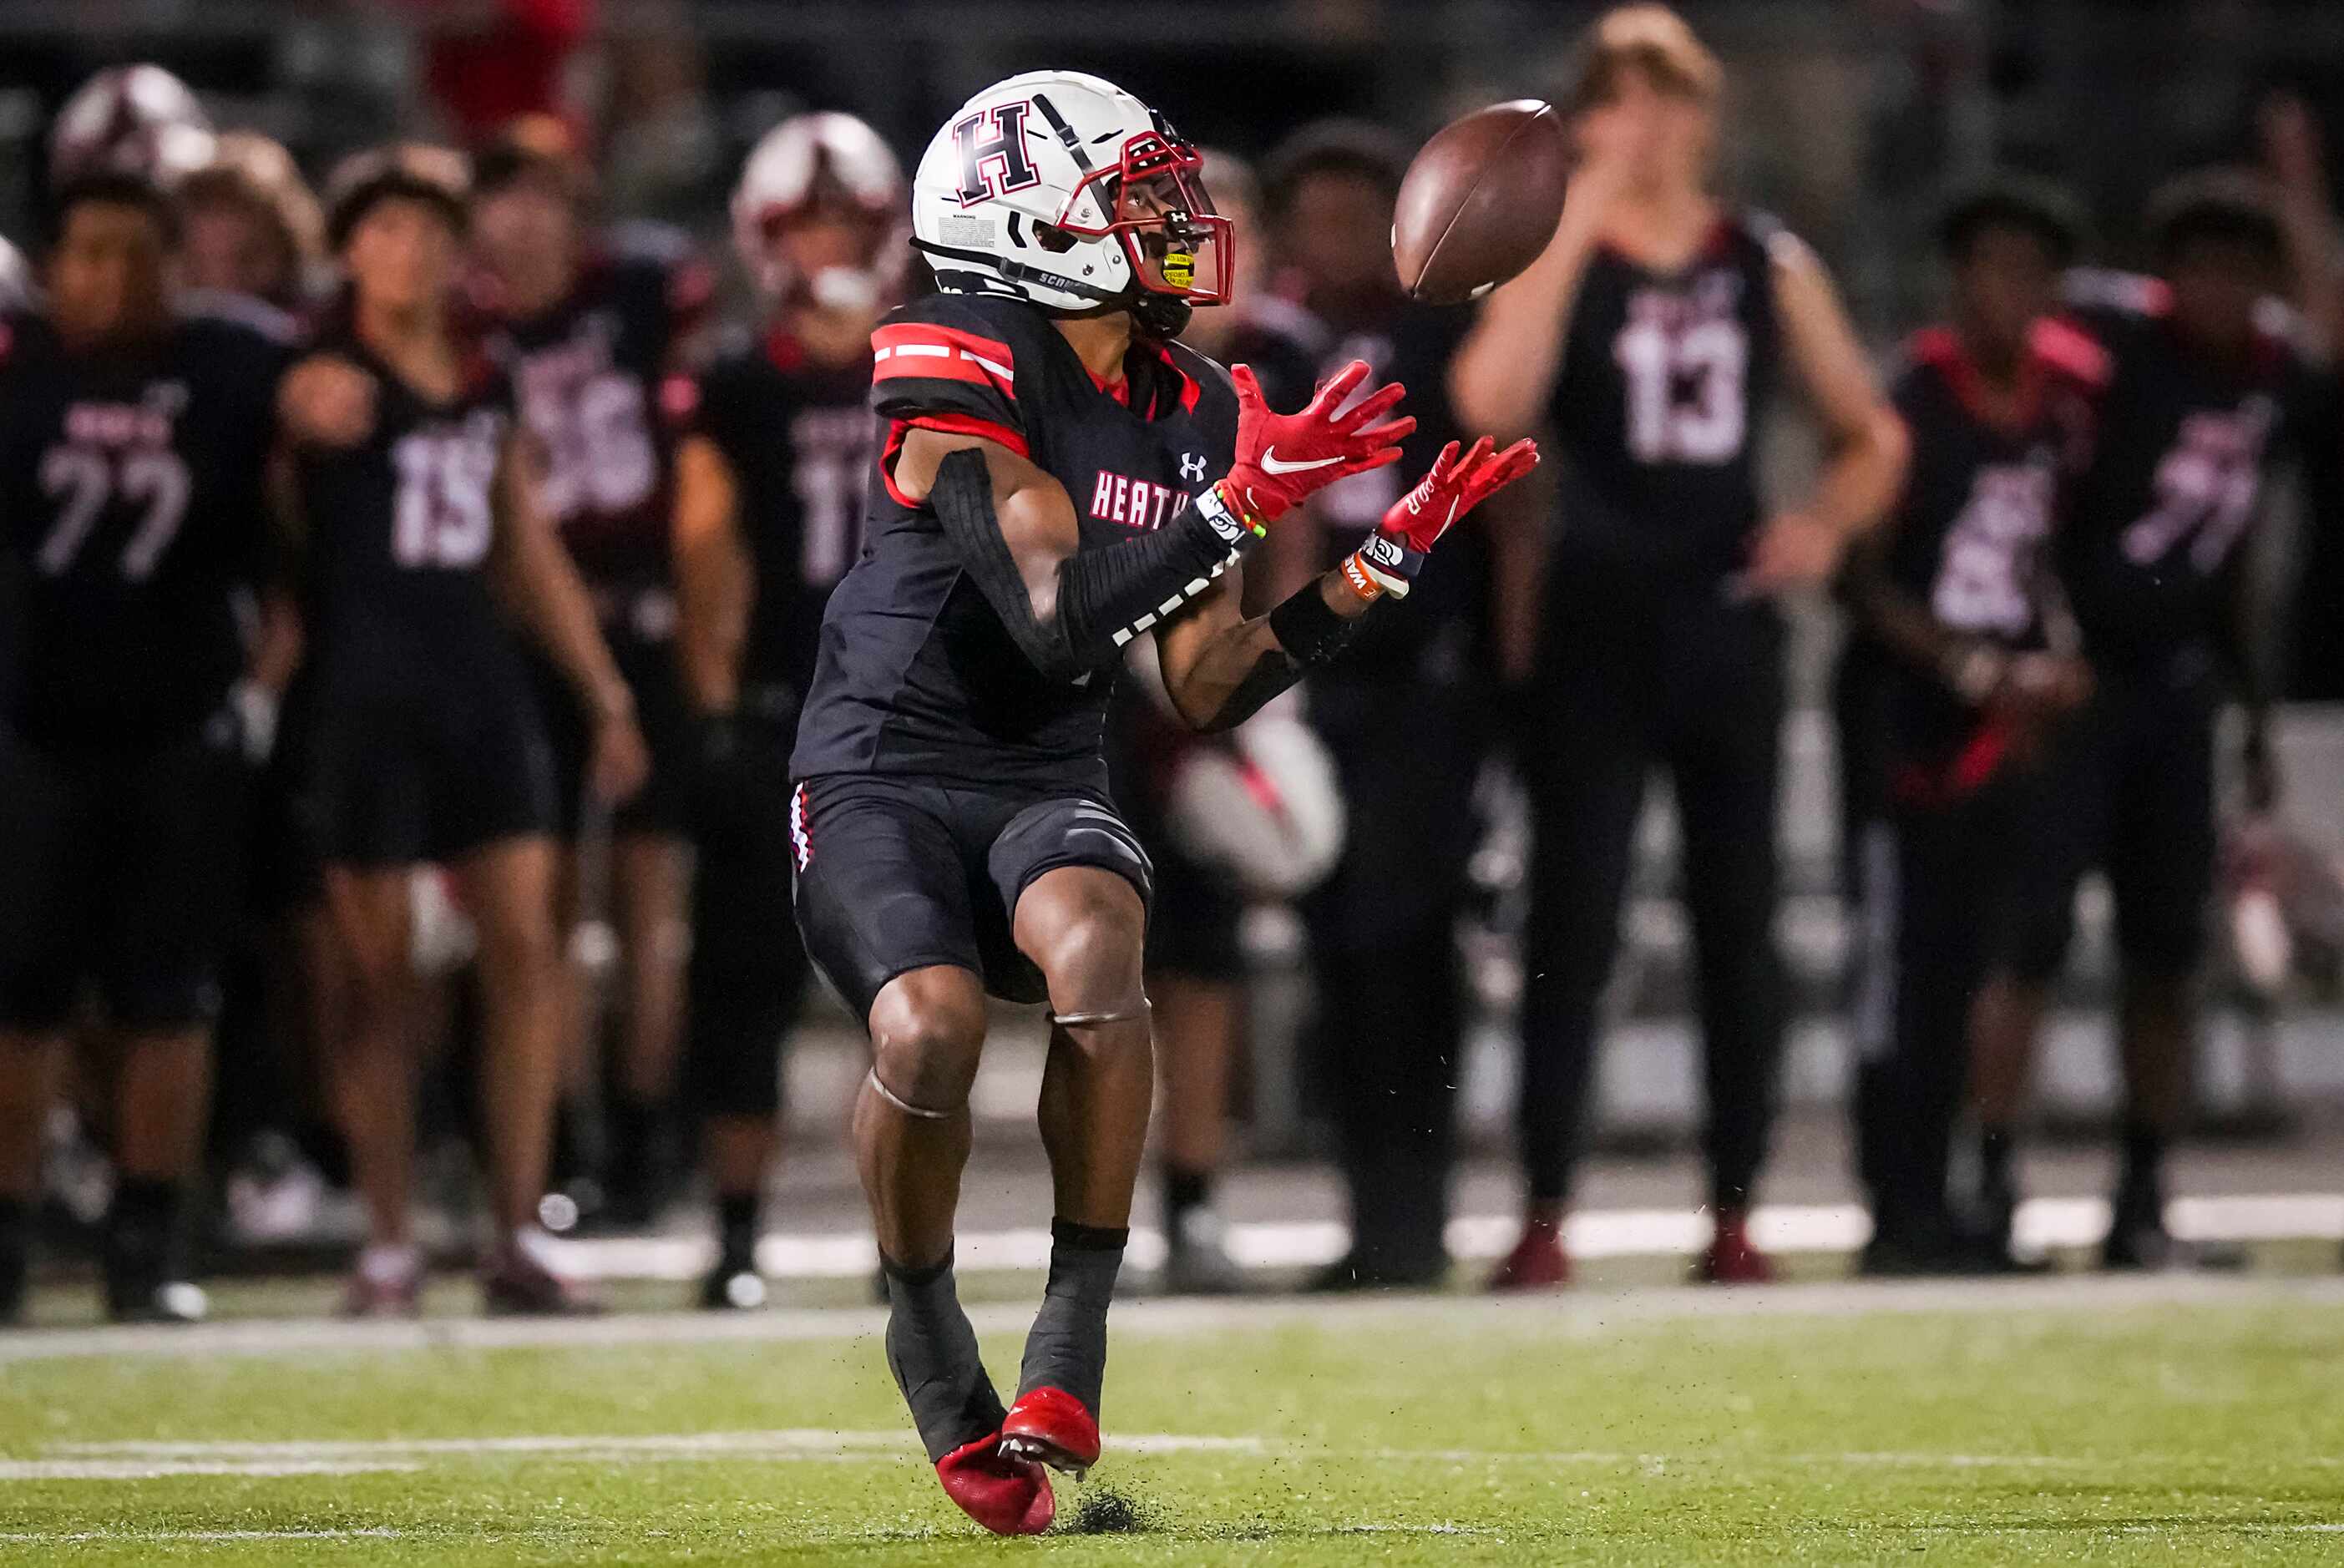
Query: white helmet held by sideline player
x=137, y=120
x=1065, y=191
x=799, y=162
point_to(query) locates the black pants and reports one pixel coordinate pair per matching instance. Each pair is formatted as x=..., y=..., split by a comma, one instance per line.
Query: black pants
x=1693, y=683
x=749, y=971
x=1383, y=929
x=1943, y=884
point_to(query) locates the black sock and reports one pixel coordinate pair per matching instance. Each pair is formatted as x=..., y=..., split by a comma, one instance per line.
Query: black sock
x=1996, y=1149
x=736, y=1229
x=634, y=1130
x=1184, y=1190
x=143, y=1205
x=932, y=1351
x=2144, y=1156
x=1066, y=1348
x=15, y=1256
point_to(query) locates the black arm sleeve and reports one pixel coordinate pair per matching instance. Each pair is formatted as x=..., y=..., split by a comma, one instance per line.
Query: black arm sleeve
x=1106, y=597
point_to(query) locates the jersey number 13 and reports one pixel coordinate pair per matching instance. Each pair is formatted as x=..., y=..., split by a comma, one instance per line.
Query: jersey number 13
x=1684, y=389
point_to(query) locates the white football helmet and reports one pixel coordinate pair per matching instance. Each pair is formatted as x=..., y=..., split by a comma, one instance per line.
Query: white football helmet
x=784, y=174
x=137, y=120
x=1065, y=191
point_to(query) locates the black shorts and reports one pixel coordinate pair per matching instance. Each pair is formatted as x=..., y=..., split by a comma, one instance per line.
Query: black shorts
x=404, y=769
x=2132, y=794
x=748, y=972
x=898, y=874
x=660, y=807
x=120, y=870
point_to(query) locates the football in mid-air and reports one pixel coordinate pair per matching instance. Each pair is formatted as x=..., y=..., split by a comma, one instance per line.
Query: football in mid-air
x=1481, y=201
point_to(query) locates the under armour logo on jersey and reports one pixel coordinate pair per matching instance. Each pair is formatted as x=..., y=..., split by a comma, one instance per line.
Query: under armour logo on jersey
x=993, y=163
x=1192, y=466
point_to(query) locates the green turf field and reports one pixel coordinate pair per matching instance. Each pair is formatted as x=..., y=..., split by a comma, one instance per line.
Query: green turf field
x=2055, y=1422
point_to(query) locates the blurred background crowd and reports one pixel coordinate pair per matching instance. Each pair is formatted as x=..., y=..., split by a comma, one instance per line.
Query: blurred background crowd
x=1382, y=815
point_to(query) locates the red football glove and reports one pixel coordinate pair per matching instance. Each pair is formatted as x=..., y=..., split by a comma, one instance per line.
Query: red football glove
x=1282, y=458
x=1394, y=553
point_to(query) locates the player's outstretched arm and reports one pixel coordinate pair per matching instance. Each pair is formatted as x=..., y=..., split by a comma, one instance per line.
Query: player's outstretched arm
x=716, y=580
x=1072, y=611
x=535, y=576
x=1220, y=668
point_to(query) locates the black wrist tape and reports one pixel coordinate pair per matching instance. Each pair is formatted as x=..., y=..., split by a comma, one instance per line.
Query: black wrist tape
x=1308, y=630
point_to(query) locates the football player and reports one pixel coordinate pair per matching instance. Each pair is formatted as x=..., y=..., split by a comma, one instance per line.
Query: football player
x=1653, y=332
x=416, y=495
x=253, y=228
x=1390, y=1014
x=1057, y=477
x=135, y=439
x=590, y=335
x=2205, y=398
x=770, y=480
x=1957, y=589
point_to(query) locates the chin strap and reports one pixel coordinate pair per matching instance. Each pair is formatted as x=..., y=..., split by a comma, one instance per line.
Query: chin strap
x=1089, y=1020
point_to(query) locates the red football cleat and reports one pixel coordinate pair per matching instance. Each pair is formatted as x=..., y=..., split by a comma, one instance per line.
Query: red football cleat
x=1007, y=1496
x=1538, y=1261
x=1732, y=1258
x=1051, y=1426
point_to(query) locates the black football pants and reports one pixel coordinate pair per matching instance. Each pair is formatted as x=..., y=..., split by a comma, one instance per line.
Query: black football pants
x=1384, y=1047
x=1939, y=893
x=1693, y=683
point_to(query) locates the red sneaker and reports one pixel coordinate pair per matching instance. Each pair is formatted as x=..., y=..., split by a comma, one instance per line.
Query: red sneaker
x=1731, y=1260
x=1538, y=1261
x=1008, y=1496
x=1051, y=1427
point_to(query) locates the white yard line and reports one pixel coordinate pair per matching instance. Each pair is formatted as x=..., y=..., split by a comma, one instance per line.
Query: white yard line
x=1582, y=1311
x=167, y=1537
x=2042, y=1222
x=139, y=1460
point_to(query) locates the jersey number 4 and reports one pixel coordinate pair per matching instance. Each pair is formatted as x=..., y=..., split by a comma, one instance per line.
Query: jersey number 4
x=1684, y=389
x=84, y=480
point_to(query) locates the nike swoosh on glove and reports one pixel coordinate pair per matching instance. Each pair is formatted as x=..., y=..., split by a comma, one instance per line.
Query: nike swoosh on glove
x=1394, y=553
x=1283, y=457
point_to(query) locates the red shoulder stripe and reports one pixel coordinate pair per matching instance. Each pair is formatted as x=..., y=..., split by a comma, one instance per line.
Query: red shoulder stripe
x=920, y=349
x=951, y=424
x=2067, y=348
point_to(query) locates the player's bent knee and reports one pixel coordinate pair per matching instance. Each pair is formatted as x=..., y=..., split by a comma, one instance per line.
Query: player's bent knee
x=925, y=1040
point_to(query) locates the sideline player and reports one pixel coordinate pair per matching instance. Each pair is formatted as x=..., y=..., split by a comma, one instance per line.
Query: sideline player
x=770, y=481
x=418, y=510
x=132, y=442
x=1958, y=588
x=1048, y=497
x=2203, y=402
x=591, y=336
x=1196, y=964
x=1653, y=333
x=1389, y=1011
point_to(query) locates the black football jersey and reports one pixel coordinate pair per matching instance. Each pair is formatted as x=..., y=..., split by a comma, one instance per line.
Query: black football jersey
x=135, y=523
x=916, y=675
x=2175, y=480
x=593, y=379
x=1666, y=379
x=799, y=439
x=1972, y=536
x=1413, y=344
x=398, y=529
